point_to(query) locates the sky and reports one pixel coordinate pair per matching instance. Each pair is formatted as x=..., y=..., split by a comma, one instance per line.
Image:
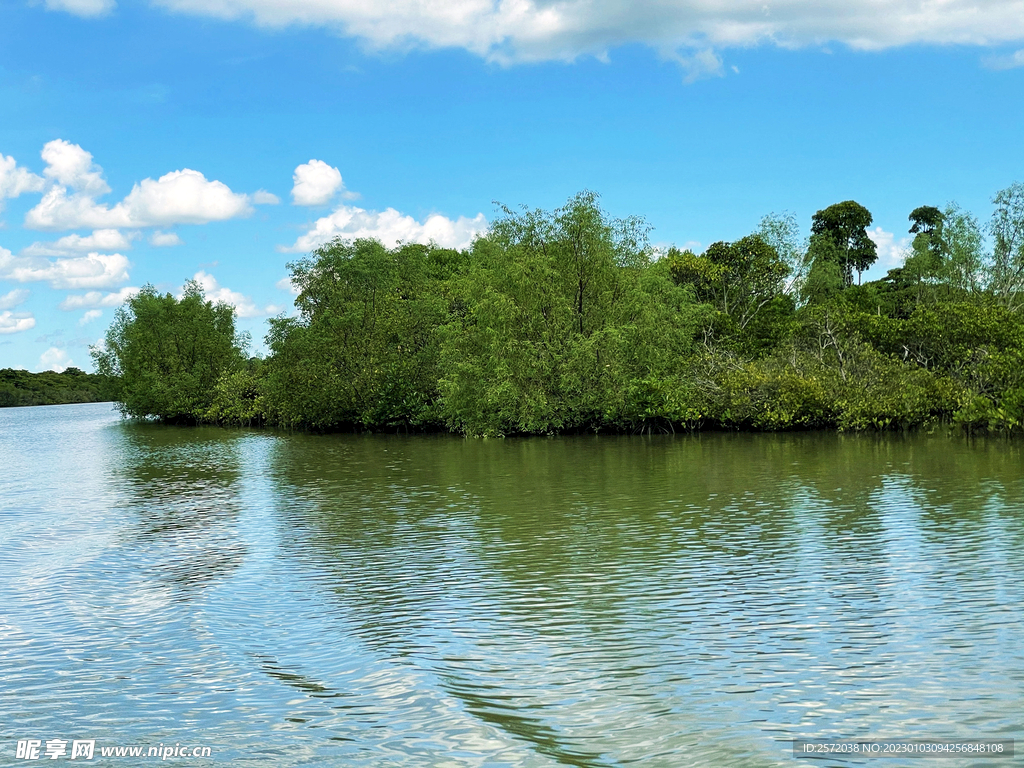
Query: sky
x=158, y=141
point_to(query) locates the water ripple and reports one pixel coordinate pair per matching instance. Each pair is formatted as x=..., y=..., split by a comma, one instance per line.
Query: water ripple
x=432, y=601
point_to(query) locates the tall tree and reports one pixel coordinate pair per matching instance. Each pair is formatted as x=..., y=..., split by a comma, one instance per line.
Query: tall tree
x=363, y=348
x=1007, y=228
x=568, y=322
x=926, y=220
x=170, y=352
x=781, y=232
x=825, y=277
x=845, y=224
x=963, y=268
x=923, y=265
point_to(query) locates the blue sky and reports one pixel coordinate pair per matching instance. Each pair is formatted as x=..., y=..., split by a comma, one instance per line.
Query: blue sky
x=151, y=142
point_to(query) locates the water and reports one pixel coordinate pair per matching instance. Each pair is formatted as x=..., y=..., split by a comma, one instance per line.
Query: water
x=431, y=601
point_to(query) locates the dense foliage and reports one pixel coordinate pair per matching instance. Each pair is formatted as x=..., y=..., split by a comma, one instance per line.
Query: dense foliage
x=569, y=320
x=173, y=356
x=72, y=385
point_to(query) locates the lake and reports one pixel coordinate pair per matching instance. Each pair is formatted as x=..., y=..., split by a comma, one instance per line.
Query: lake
x=349, y=600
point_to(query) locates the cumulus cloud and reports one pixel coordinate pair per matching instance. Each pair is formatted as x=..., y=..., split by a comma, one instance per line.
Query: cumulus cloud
x=55, y=359
x=164, y=239
x=90, y=315
x=95, y=270
x=71, y=166
x=183, y=196
x=16, y=181
x=97, y=299
x=179, y=197
x=315, y=183
x=99, y=240
x=891, y=251
x=509, y=31
x=390, y=227
x=85, y=8
x=13, y=298
x=244, y=305
x=13, y=322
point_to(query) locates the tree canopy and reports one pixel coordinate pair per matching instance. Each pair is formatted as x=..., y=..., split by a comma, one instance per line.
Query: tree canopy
x=169, y=353
x=568, y=320
x=841, y=232
x=72, y=385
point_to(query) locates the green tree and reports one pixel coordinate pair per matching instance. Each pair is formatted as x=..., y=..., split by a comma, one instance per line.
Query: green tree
x=825, y=278
x=781, y=232
x=1007, y=228
x=170, y=353
x=927, y=219
x=845, y=226
x=738, y=279
x=21, y=388
x=363, y=349
x=568, y=324
x=922, y=268
x=964, y=263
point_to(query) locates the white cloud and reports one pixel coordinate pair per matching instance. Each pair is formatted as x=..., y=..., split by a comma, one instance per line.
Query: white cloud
x=262, y=197
x=71, y=166
x=85, y=8
x=286, y=284
x=99, y=240
x=179, y=197
x=244, y=306
x=90, y=315
x=95, y=270
x=390, y=227
x=510, y=31
x=164, y=239
x=55, y=359
x=59, y=210
x=16, y=181
x=316, y=183
x=97, y=299
x=891, y=252
x=13, y=298
x=1009, y=61
x=13, y=322
x=185, y=197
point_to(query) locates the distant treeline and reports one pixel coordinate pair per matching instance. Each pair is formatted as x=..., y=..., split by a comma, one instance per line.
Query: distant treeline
x=49, y=388
x=570, y=321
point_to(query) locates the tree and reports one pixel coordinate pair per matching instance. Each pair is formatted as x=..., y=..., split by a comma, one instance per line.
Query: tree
x=926, y=220
x=1007, y=228
x=845, y=225
x=923, y=265
x=363, y=350
x=170, y=353
x=963, y=268
x=781, y=232
x=585, y=249
x=825, y=278
x=739, y=278
x=568, y=324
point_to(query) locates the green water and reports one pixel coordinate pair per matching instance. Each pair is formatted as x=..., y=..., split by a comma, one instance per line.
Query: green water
x=431, y=601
